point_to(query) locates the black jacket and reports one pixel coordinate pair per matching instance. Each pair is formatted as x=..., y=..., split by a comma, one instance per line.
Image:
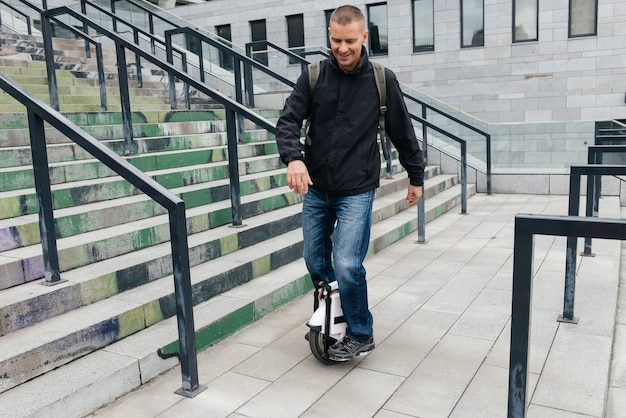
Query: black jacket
x=344, y=156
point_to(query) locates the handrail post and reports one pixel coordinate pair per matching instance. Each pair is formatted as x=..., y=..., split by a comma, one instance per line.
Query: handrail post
x=520, y=319
x=464, y=178
x=47, y=228
x=183, y=60
x=53, y=90
x=591, y=206
x=570, y=254
x=170, y=59
x=184, y=303
x=421, y=219
x=488, y=160
x=137, y=59
x=83, y=10
x=101, y=79
x=424, y=136
x=239, y=98
x=388, y=163
x=248, y=81
x=125, y=99
x=233, y=167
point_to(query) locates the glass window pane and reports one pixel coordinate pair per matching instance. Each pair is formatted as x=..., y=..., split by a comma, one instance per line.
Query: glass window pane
x=423, y=25
x=295, y=35
x=328, y=14
x=473, y=23
x=226, y=60
x=378, y=38
x=525, y=24
x=582, y=17
x=259, y=33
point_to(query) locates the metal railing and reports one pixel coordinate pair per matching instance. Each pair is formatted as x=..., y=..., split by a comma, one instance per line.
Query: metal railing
x=576, y=172
x=595, y=155
x=27, y=18
x=38, y=113
x=526, y=226
x=232, y=108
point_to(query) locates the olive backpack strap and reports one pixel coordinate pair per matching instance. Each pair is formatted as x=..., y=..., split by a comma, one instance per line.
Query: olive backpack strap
x=381, y=85
x=314, y=73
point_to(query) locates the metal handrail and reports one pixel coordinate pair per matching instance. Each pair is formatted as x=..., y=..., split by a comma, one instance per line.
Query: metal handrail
x=28, y=19
x=576, y=172
x=99, y=62
x=233, y=108
x=594, y=183
x=426, y=106
x=526, y=226
x=38, y=113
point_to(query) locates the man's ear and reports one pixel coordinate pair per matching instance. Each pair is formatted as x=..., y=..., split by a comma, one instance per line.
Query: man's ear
x=365, y=35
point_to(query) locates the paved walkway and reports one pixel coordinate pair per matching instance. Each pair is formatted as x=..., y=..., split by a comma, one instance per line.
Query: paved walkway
x=441, y=312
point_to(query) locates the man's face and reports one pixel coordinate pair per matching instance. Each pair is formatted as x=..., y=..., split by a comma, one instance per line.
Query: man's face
x=345, y=43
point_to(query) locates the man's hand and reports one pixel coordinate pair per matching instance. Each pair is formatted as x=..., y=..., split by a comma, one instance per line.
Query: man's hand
x=298, y=178
x=413, y=195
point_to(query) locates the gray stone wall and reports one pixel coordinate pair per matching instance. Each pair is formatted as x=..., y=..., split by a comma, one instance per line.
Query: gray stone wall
x=554, y=79
x=539, y=100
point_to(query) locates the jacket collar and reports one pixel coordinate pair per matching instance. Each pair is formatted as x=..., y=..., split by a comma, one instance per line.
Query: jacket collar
x=361, y=65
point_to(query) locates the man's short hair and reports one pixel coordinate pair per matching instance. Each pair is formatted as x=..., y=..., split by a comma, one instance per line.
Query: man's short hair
x=347, y=14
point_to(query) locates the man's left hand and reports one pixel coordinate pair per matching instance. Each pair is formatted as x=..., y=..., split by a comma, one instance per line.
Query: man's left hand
x=413, y=195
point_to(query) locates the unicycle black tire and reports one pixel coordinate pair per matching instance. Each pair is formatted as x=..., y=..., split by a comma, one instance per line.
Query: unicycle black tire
x=316, y=343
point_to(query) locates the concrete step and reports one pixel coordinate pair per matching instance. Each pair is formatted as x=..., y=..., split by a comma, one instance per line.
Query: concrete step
x=24, y=202
x=135, y=358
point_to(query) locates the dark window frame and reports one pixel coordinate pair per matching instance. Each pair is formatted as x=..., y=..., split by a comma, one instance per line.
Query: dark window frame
x=295, y=35
x=536, y=38
x=328, y=13
x=225, y=34
x=463, y=45
x=422, y=48
x=256, y=24
x=569, y=22
x=371, y=38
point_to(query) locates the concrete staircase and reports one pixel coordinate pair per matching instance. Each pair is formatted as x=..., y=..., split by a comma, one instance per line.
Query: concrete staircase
x=68, y=349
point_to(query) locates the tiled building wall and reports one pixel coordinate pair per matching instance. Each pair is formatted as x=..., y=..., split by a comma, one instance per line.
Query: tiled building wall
x=555, y=78
x=538, y=99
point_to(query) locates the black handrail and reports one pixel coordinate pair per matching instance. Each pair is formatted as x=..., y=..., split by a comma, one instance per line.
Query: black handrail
x=29, y=25
x=99, y=61
x=594, y=183
x=232, y=107
x=238, y=58
x=426, y=106
x=576, y=172
x=38, y=113
x=526, y=226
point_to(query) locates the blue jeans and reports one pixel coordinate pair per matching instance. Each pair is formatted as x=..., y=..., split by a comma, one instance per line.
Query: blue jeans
x=336, y=233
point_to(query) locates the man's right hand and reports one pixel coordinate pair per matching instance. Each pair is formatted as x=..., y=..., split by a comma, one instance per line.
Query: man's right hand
x=298, y=178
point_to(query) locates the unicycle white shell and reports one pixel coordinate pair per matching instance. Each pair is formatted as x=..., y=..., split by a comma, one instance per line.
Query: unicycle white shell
x=318, y=319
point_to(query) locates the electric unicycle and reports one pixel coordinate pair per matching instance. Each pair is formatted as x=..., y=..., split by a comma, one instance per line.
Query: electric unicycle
x=327, y=325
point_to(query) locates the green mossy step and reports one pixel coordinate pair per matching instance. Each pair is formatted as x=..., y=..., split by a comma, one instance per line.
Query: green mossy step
x=209, y=280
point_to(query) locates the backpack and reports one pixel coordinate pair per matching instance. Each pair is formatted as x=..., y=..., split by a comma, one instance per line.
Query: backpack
x=381, y=86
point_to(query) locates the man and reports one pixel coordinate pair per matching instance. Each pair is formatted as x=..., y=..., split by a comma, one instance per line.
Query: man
x=339, y=170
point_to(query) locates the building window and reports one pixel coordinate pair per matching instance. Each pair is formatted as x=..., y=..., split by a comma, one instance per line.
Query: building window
x=525, y=20
x=295, y=35
x=328, y=14
x=583, y=18
x=377, y=26
x=423, y=26
x=226, y=60
x=259, y=33
x=472, y=23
